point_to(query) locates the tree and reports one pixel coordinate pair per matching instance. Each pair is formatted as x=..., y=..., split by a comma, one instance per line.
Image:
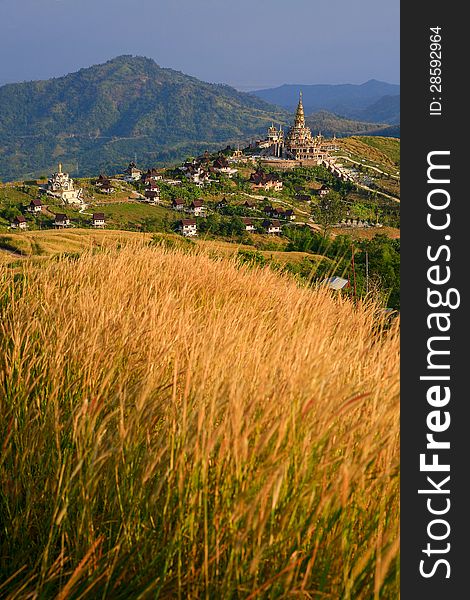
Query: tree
x=328, y=211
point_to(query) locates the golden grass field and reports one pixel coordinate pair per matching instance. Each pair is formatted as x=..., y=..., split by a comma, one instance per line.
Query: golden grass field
x=177, y=426
x=41, y=245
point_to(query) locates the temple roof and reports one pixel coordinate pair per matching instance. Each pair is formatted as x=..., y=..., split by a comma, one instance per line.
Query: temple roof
x=300, y=115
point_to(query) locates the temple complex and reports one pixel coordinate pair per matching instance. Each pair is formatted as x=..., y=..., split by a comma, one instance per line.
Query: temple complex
x=298, y=144
x=61, y=185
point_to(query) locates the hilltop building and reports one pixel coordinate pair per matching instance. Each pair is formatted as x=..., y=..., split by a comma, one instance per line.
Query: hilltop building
x=62, y=186
x=299, y=143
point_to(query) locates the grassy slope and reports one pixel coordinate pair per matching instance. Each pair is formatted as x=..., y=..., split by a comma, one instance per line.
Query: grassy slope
x=38, y=245
x=175, y=426
x=380, y=150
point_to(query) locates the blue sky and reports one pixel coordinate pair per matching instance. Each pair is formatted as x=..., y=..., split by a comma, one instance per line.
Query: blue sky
x=245, y=43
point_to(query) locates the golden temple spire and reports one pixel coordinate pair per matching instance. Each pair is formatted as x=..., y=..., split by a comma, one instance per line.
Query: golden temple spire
x=300, y=115
x=60, y=167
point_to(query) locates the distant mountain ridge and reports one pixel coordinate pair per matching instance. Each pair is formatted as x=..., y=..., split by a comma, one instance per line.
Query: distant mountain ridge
x=329, y=124
x=370, y=101
x=103, y=115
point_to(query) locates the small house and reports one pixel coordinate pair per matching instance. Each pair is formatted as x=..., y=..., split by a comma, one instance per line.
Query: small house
x=61, y=221
x=188, y=227
x=267, y=181
x=98, y=220
x=177, y=204
x=248, y=224
x=278, y=212
x=323, y=191
x=152, y=174
x=133, y=173
x=104, y=184
x=250, y=204
x=35, y=206
x=19, y=222
x=223, y=203
x=197, y=208
x=152, y=196
x=272, y=227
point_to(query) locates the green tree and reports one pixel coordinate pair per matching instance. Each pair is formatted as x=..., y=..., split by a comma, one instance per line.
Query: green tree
x=329, y=210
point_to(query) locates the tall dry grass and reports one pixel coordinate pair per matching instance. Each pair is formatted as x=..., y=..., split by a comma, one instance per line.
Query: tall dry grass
x=174, y=426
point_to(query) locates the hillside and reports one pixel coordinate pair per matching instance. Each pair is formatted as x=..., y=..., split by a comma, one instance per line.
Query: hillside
x=330, y=124
x=348, y=100
x=385, y=110
x=100, y=117
x=176, y=426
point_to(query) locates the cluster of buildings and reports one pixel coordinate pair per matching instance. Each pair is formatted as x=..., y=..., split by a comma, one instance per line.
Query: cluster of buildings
x=200, y=170
x=188, y=227
x=61, y=220
x=265, y=181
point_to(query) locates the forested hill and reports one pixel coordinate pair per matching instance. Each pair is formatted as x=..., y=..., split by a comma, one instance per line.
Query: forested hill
x=100, y=117
x=373, y=101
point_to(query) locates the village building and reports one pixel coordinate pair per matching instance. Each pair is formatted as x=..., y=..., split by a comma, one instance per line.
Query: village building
x=250, y=204
x=197, y=172
x=132, y=173
x=177, y=204
x=151, y=184
x=248, y=224
x=223, y=203
x=151, y=176
x=268, y=210
x=61, y=221
x=289, y=214
x=19, y=222
x=272, y=227
x=104, y=184
x=35, y=206
x=197, y=208
x=221, y=165
x=266, y=181
x=278, y=212
x=99, y=220
x=152, y=196
x=61, y=185
x=323, y=191
x=188, y=227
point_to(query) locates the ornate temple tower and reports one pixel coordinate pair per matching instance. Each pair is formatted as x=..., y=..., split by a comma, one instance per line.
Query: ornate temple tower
x=299, y=141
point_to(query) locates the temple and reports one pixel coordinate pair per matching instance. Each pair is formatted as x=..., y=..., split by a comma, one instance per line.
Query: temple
x=61, y=185
x=298, y=144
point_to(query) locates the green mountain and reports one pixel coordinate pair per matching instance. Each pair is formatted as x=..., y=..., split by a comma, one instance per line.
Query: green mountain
x=351, y=101
x=330, y=124
x=100, y=117
x=385, y=110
